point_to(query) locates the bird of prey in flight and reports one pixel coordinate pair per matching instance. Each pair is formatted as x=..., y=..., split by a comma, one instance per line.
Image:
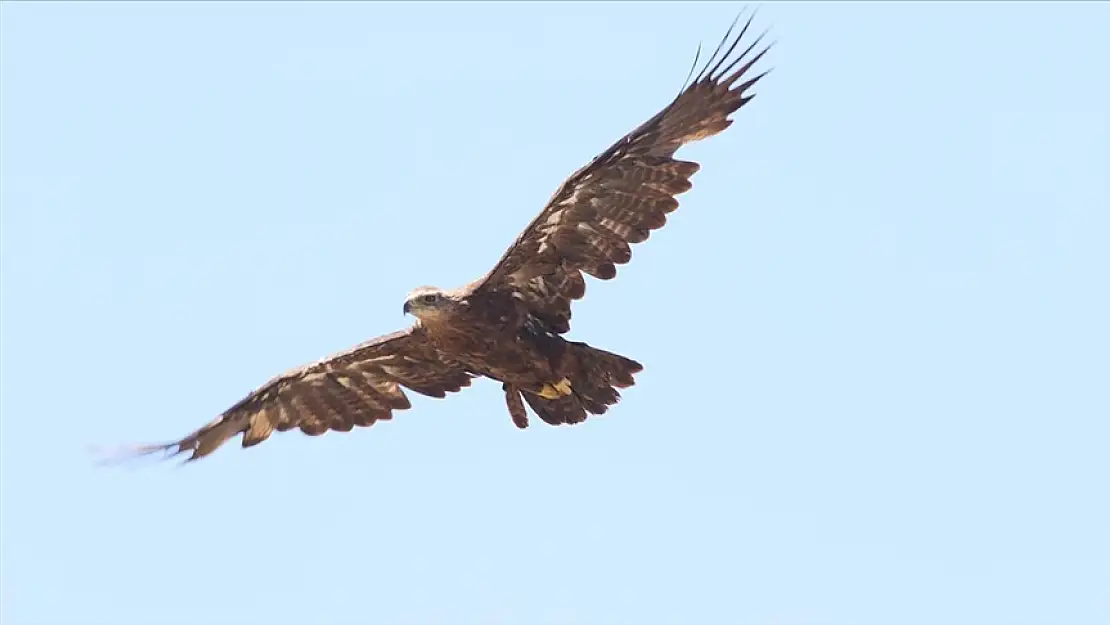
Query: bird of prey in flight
x=510, y=325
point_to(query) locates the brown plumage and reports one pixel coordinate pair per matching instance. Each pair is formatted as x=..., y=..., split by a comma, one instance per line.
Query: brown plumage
x=509, y=324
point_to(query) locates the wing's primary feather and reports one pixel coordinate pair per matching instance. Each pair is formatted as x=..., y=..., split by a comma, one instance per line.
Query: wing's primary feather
x=356, y=387
x=615, y=201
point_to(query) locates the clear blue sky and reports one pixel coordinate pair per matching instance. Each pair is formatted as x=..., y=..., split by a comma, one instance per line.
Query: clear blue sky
x=875, y=333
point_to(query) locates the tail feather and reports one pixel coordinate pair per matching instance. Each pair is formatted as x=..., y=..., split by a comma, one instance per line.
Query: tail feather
x=562, y=411
x=595, y=376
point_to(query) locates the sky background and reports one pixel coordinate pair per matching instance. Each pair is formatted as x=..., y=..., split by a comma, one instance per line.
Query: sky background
x=875, y=332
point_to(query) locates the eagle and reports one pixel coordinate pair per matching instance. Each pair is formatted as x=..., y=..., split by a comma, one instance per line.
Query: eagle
x=511, y=324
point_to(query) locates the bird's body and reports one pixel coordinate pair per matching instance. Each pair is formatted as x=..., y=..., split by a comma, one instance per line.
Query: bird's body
x=492, y=333
x=510, y=325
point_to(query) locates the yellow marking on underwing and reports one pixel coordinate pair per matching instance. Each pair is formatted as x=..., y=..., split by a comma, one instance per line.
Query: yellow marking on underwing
x=557, y=390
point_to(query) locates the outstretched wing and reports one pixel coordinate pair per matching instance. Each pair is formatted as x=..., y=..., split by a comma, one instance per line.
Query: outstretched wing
x=352, y=388
x=623, y=194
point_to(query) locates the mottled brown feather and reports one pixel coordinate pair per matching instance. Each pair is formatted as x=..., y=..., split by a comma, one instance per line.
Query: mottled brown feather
x=353, y=388
x=623, y=194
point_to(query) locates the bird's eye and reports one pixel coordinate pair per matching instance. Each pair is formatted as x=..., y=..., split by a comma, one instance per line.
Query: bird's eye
x=430, y=298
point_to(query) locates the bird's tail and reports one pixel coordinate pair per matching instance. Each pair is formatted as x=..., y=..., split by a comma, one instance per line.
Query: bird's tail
x=590, y=386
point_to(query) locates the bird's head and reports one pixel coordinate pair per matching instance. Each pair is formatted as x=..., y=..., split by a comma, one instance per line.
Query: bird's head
x=428, y=303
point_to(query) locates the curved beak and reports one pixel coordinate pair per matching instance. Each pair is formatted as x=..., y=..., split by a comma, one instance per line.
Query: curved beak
x=408, y=307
